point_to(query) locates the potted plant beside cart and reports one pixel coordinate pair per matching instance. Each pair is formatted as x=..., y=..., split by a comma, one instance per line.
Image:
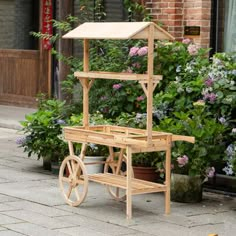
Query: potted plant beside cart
x=192, y=163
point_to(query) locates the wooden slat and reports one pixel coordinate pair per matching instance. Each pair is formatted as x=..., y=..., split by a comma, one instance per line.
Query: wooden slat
x=114, y=75
x=137, y=186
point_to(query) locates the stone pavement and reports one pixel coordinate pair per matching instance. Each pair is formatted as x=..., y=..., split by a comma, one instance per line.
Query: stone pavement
x=31, y=204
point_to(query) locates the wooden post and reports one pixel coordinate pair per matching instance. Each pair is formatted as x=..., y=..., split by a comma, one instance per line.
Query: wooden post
x=128, y=183
x=86, y=85
x=65, y=46
x=167, y=174
x=150, y=83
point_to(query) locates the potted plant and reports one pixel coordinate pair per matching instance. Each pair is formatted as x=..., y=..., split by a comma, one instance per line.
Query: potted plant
x=94, y=156
x=43, y=132
x=193, y=161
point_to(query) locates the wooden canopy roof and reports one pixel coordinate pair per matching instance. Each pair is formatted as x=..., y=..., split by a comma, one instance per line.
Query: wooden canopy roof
x=117, y=30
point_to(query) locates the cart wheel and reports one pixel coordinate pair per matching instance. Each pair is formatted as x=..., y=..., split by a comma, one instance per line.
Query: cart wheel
x=111, y=166
x=73, y=180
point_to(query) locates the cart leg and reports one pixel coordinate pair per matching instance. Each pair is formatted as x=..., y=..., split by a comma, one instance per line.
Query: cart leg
x=71, y=148
x=128, y=179
x=167, y=180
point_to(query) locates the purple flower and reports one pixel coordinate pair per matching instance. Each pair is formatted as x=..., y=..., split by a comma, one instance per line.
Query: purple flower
x=143, y=51
x=209, y=82
x=20, y=140
x=140, y=98
x=186, y=41
x=222, y=120
x=182, y=161
x=210, y=96
x=210, y=172
x=133, y=51
x=117, y=86
x=193, y=49
x=60, y=122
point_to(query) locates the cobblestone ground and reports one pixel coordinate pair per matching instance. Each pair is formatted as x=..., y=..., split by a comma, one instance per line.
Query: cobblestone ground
x=31, y=204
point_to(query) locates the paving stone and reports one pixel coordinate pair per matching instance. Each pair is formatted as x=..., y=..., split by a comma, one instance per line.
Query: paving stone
x=2, y=228
x=81, y=231
x=38, y=208
x=6, y=207
x=34, y=230
x=8, y=219
x=10, y=233
x=98, y=225
x=6, y=198
x=38, y=219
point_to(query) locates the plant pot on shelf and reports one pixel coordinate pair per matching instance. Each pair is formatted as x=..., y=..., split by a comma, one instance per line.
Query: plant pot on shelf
x=186, y=189
x=146, y=173
x=94, y=168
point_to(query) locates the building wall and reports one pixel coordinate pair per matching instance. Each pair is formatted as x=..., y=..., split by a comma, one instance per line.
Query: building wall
x=16, y=23
x=174, y=15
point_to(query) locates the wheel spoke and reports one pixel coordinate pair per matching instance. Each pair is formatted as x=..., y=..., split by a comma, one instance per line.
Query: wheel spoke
x=69, y=167
x=77, y=194
x=69, y=192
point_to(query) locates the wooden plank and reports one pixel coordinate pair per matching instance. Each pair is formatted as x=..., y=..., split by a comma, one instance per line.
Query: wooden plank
x=150, y=82
x=86, y=85
x=117, y=30
x=106, y=30
x=115, y=75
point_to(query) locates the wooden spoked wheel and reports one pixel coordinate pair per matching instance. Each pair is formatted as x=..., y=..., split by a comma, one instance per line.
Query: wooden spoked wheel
x=73, y=180
x=116, y=164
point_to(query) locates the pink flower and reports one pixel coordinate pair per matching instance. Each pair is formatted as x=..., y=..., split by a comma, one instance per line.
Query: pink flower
x=143, y=51
x=209, y=82
x=210, y=172
x=193, y=49
x=133, y=51
x=211, y=97
x=140, y=98
x=117, y=86
x=136, y=65
x=182, y=161
x=186, y=41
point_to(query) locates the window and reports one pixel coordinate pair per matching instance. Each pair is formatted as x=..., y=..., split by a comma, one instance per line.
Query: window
x=223, y=35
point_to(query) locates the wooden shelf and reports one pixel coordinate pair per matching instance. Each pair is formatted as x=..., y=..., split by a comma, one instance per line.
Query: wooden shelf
x=113, y=75
x=137, y=186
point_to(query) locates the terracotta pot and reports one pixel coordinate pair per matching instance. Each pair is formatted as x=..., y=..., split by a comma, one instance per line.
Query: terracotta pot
x=145, y=173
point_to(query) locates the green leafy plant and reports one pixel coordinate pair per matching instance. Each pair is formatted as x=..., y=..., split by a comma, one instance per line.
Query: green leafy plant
x=197, y=158
x=43, y=131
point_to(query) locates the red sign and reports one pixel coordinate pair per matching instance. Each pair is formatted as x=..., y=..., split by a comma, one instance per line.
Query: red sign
x=47, y=23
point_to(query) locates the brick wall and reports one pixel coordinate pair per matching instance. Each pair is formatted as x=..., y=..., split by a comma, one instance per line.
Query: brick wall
x=175, y=14
x=15, y=24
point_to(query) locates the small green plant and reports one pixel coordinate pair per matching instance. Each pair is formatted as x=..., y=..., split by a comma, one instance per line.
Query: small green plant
x=43, y=131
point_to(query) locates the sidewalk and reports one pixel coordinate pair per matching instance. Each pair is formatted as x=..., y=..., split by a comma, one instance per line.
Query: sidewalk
x=10, y=116
x=31, y=203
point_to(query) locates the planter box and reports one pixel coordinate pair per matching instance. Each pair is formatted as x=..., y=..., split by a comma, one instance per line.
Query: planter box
x=222, y=183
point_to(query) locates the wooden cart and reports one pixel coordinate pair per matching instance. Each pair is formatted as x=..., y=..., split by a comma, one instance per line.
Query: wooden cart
x=120, y=182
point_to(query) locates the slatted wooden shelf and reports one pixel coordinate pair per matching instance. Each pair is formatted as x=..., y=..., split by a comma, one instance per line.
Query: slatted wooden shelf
x=114, y=75
x=137, y=186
